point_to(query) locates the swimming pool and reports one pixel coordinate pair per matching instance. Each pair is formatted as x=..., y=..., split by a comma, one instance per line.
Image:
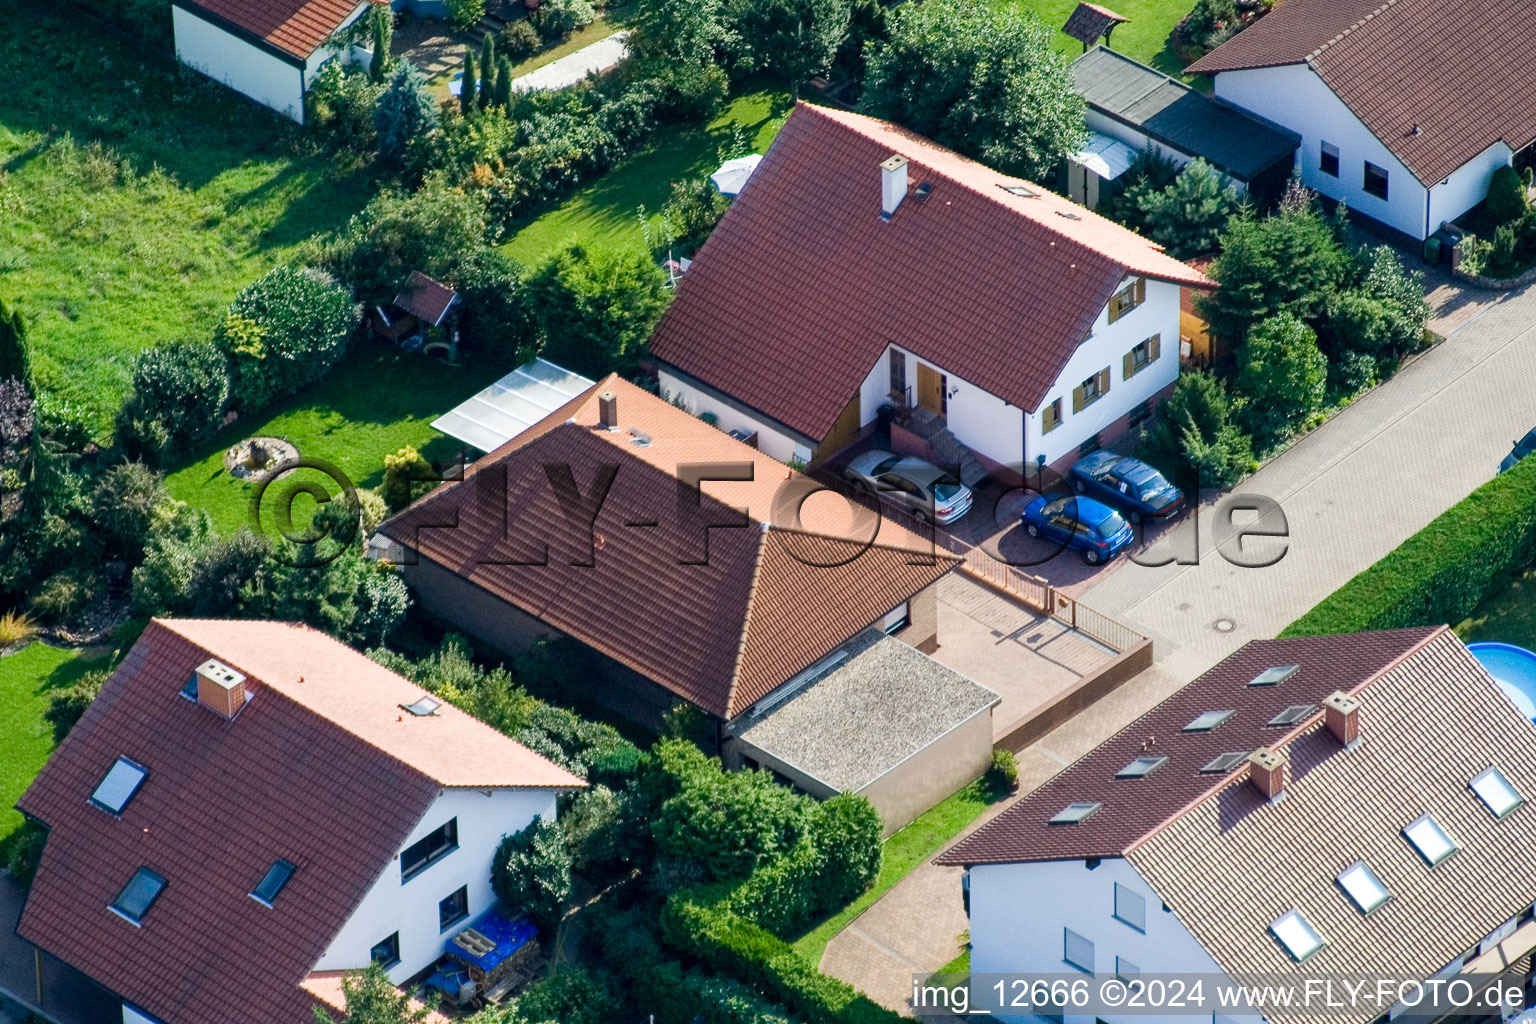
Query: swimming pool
x=1514, y=669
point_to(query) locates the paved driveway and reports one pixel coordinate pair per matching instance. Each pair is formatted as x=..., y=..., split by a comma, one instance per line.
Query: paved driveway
x=1351, y=492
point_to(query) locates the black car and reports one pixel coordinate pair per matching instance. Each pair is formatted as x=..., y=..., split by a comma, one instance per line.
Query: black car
x=1523, y=447
x=1127, y=484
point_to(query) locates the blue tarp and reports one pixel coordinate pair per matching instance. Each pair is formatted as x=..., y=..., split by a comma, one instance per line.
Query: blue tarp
x=508, y=936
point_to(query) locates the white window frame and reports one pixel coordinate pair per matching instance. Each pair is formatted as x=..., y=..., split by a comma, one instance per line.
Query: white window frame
x=1364, y=887
x=1417, y=827
x=1296, y=935
x=1496, y=792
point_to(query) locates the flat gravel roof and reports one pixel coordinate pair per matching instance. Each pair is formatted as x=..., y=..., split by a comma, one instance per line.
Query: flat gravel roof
x=883, y=704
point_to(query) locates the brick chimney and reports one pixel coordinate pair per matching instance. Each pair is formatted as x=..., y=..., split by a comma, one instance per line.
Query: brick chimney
x=893, y=185
x=608, y=410
x=220, y=688
x=1270, y=771
x=1342, y=713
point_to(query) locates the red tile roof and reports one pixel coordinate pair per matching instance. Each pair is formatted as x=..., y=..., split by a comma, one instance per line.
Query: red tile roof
x=1134, y=809
x=721, y=634
x=316, y=772
x=297, y=27
x=425, y=298
x=802, y=285
x=1457, y=70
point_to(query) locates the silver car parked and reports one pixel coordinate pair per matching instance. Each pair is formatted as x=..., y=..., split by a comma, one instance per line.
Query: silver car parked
x=920, y=487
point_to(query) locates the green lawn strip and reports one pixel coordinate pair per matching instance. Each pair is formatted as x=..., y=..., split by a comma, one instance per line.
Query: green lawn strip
x=905, y=850
x=26, y=677
x=1508, y=616
x=1145, y=37
x=608, y=211
x=197, y=193
x=376, y=402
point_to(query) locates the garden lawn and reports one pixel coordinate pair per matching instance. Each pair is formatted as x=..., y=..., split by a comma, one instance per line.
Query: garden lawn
x=608, y=211
x=929, y=833
x=1145, y=37
x=1508, y=616
x=26, y=677
x=137, y=199
x=377, y=401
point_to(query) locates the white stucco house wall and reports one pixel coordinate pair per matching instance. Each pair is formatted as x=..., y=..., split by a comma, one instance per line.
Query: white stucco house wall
x=866, y=271
x=1390, y=123
x=270, y=52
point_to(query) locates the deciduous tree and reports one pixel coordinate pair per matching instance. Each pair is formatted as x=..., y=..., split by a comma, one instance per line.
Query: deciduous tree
x=1282, y=375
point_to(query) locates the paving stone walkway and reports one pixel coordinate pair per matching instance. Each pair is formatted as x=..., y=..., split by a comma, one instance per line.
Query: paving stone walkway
x=594, y=58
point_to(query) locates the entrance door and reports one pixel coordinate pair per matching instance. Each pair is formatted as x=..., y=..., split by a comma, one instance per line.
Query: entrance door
x=931, y=393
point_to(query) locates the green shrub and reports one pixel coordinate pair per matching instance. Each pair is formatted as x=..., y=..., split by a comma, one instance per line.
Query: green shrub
x=68, y=703
x=65, y=594
x=340, y=104
x=1188, y=216
x=464, y=13
x=1506, y=195
x=26, y=851
x=556, y=19
x=692, y=93
x=598, y=307
x=569, y=995
x=1349, y=373
x=1282, y=375
x=847, y=831
x=1211, y=22
x=496, y=318
x=286, y=331
x=430, y=230
x=404, y=113
x=519, y=40
x=1194, y=433
x=1003, y=774
x=402, y=470
x=1440, y=574
x=532, y=873
x=690, y=213
x=123, y=506
x=177, y=400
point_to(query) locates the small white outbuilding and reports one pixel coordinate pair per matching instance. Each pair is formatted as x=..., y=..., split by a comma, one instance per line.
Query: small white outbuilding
x=269, y=50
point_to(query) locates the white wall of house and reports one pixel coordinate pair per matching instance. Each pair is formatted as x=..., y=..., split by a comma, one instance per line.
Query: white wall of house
x=135, y=1016
x=411, y=908
x=231, y=60
x=1019, y=914
x=1467, y=186
x=772, y=439
x=1107, y=346
x=1294, y=96
x=979, y=419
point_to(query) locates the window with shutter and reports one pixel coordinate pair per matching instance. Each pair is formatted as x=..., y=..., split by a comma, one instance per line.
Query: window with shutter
x=1050, y=416
x=1078, y=401
x=1127, y=299
x=1141, y=290
x=1154, y=344
x=1128, y=367
x=1104, y=381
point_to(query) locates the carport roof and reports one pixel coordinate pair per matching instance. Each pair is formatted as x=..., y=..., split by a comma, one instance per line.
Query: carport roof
x=1171, y=112
x=883, y=703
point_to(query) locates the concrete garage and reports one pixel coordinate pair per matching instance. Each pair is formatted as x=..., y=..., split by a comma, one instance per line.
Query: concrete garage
x=882, y=720
x=269, y=50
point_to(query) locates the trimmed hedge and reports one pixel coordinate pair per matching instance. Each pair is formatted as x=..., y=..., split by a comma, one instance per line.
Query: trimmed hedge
x=1443, y=572
x=699, y=922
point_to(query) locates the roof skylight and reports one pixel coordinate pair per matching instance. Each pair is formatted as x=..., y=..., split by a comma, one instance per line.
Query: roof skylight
x=1141, y=767
x=117, y=788
x=1208, y=721
x=273, y=881
x=1298, y=937
x=1074, y=813
x=1225, y=762
x=1293, y=714
x=424, y=706
x=1496, y=792
x=1273, y=675
x=1362, y=885
x=1019, y=190
x=1432, y=841
x=139, y=895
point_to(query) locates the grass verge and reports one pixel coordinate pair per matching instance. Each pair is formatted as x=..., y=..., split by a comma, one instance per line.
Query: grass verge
x=26, y=678
x=929, y=833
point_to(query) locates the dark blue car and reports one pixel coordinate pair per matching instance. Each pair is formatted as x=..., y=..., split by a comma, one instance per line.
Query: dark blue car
x=1523, y=447
x=1081, y=524
x=1127, y=484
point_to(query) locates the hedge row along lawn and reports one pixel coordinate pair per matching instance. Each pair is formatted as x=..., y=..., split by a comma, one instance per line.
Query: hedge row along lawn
x=136, y=199
x=27, y=677
x=1442, y=573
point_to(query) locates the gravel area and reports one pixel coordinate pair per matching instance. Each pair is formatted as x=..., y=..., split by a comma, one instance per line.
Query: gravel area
x=879, y=707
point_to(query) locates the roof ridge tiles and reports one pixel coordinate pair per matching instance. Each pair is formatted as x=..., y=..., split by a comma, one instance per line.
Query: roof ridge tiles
x=1330, y=42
